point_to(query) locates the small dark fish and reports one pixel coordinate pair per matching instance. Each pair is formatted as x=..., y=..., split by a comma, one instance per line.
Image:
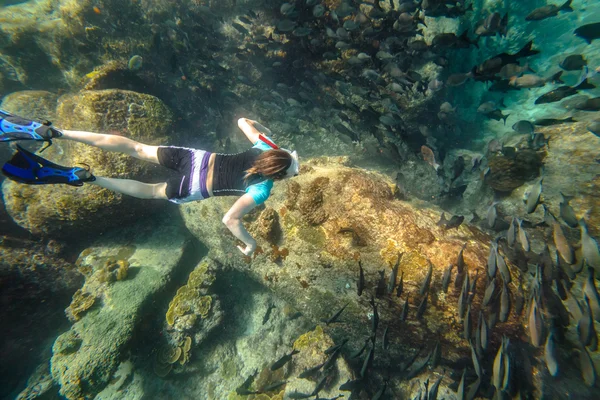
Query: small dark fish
x=433, y=391
x=588, y=371
x=452, y=223
x=523, y=127
x=335, y=316
x=467, y=324
x=361, y=350
x=589, y=32
x=381, y=286
x=400, y=285
x=367, y=362
x=552, y=121
x=592, y=104
x=422, y=308
x=240, y=28
x=392, y=281
x=460, y=392
x=319, y=386
x=562, y=92
x=379, y=394
x=404, y=313
x=351, y=386
x=497, y=115
x=460, y=261
x=375, y=318
x=332, y=358
x=333, y=348
x=504, y=303
x=385, y=344
x=268, y=313
x=311, y=371
x=361, y=279
x=533, y=199
x=274, y=386
x=283, y=360
x=585, y=326
x=458, y=79
x=548, y=11
x=242, y=391
x=436, y=355
x=425, y=287
x=446, y=278
x=574, y=62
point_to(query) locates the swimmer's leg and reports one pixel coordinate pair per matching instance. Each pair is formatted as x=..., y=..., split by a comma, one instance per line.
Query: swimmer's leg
x=114, y=143
x=133, y=188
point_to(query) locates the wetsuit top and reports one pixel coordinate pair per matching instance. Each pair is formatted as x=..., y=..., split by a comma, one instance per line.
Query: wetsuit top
x=229, y=171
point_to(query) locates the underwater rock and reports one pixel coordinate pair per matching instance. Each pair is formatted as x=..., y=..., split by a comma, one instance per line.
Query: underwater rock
x=85, y=357
x=64, y=211
x=320, y=273
x=36, y=104
x=508, y=173
x=117, y=75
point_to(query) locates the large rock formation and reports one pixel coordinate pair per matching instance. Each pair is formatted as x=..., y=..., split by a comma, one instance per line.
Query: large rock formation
x=64, y=211
x=108, y=310
x=332, y=216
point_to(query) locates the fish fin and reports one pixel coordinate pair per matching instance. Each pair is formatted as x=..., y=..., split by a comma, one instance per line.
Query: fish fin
x=442, y=220
x=556, y=78
x=584, y=85
x=567, y=6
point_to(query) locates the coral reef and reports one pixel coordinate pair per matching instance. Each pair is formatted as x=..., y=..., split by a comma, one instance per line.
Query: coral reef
x=86, y=356
x=64, y=211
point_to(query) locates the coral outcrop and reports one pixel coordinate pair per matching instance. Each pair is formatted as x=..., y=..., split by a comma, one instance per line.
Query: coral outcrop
x=64, y=211
x=320, y=273
x=85, y=357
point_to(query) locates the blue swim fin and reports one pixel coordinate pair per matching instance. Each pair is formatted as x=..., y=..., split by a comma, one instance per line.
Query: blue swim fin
x=29, y=168
x=13, y=127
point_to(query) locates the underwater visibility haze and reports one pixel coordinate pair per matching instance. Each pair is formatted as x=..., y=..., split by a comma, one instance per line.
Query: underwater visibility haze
x=301, y=199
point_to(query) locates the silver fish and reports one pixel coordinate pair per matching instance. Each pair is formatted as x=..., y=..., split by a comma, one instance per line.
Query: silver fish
x=535, y=324
x=491, y=261
x=498, y=368
x=533, y=199
x=425, y=287
x=566, y=211
x=404, y=313
x=511, y=236
x=460, y=393
x=483, y=332
x=503, y=268
x=523, y=239
x=492, y=214
x=589, y=247
x=550, y=355
x=394, y=274
x=561, y=243
x=446, y=278
x=436, y=355
x=592, y=294
x=422, y=308
x=504, y=303
x=588, y=372
x=467, y=324
x=489, y=292
x=475, y=360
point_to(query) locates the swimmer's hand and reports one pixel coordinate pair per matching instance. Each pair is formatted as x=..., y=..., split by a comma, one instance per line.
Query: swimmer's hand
x=248, y=250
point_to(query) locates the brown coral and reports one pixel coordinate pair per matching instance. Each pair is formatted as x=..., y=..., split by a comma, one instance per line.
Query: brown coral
x=311, y=202
x=268, y=226
x=82, y=301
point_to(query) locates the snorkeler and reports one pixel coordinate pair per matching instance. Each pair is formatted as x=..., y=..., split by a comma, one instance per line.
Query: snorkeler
x=201, y=174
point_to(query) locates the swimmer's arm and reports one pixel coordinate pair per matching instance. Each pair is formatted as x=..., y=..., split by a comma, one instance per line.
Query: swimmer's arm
x=233, y=221
x=252, y=129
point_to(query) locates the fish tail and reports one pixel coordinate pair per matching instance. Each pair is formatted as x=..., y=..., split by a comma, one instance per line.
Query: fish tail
x=567, y=6
x=505, y=117
x=585, y=85
x=556, y=77
x=442, y=220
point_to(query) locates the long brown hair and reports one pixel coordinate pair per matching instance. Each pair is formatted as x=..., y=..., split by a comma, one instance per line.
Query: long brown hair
x=271, y=164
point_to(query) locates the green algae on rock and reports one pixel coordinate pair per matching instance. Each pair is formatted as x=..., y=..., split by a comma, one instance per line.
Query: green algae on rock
x=100, y=337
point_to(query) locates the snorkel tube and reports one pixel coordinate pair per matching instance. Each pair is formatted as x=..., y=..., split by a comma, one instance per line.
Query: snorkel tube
x=294, y=168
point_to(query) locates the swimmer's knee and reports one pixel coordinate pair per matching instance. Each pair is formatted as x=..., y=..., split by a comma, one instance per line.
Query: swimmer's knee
x=159, y=191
